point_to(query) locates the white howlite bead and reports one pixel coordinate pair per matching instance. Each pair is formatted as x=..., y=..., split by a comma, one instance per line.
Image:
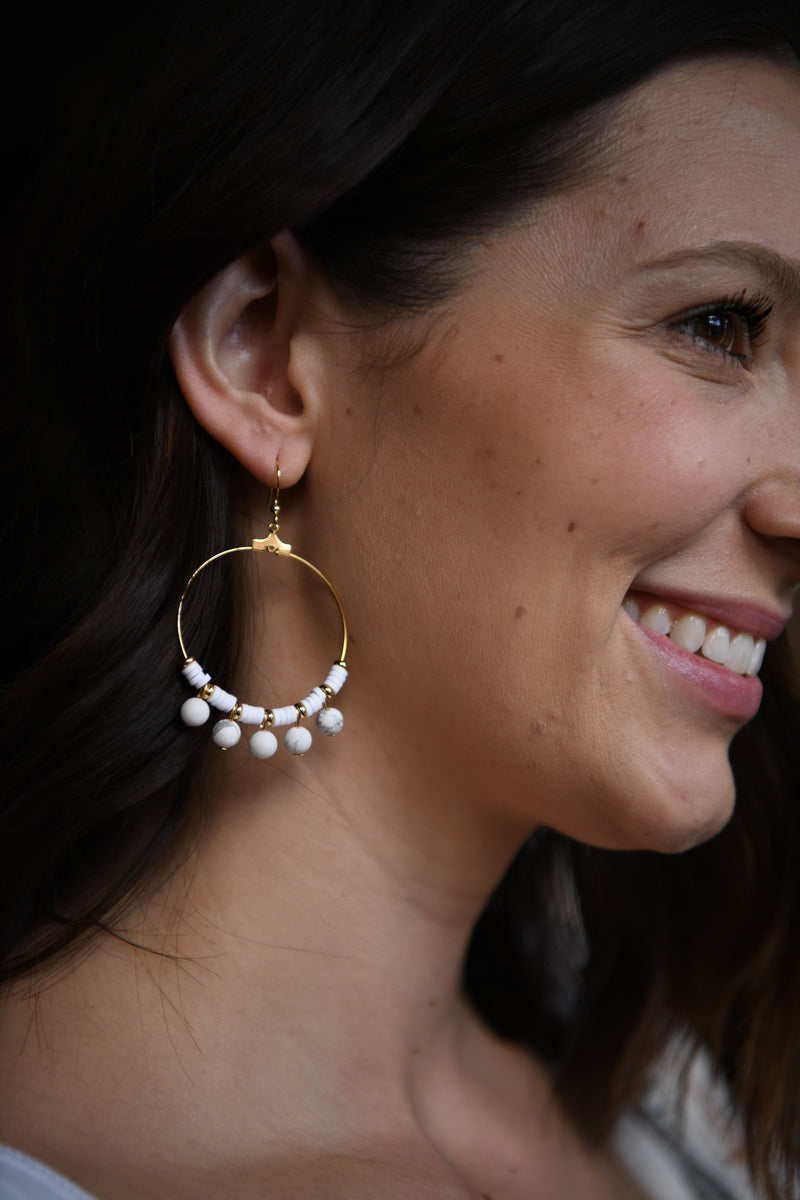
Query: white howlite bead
x=297, y=739
x=251, y=715
x=263, y=744
x=284, y=716
x=226, y=734
x=196, y=675
x=194, y=711
x=329, y=721
x=336, y=677
x=222, y=700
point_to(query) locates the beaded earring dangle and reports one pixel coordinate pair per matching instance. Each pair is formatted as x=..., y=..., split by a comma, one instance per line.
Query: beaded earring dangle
x=227, y=731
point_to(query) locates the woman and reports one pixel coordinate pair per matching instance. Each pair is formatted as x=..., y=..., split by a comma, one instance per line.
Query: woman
x=508, y=295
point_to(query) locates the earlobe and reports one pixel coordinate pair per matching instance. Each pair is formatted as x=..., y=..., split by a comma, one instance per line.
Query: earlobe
x=231, y=349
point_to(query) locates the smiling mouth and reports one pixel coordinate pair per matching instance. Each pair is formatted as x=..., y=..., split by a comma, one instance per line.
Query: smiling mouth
x=739, y=651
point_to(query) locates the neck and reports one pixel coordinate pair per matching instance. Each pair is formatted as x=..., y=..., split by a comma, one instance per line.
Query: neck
x=339, y=911
x=304, y=960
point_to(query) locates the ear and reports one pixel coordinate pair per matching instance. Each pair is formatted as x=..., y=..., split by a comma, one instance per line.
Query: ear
x=231, y=350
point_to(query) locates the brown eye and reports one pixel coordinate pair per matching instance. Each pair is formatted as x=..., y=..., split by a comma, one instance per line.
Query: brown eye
x=722, y=331
x=731, y=326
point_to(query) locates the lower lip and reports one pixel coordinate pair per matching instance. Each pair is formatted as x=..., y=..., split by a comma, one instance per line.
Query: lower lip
x=736, y=697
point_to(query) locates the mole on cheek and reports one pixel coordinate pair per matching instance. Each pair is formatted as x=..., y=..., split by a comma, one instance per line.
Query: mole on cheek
x=570, y=527
x=519, y=612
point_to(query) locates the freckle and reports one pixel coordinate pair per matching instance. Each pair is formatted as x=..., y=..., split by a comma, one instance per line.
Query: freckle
x=416, y=1050
x=432, y=1003
x=623, y=179
x=518, y=492
x=655, y=524
x=513, y=1170
x=594, y=480
x=537, y=462
x=519, y=611
x=570, y=527
x=348, y=412
x=640, y=225
x=415, y=408
x=748, y=460
x=499, y=358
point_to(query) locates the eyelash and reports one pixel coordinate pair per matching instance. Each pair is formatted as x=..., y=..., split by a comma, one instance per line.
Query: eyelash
x=752, y=311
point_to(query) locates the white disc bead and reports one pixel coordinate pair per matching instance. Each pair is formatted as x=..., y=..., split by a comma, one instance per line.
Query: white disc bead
x=226, y=734
x=297, y=739
x=329, y=721
x=263, y=744
x=194, y=711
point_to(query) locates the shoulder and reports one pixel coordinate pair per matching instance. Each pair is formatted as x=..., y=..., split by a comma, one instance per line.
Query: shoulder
x=382, y=1174
x=683, y=1141
x=24, y=1178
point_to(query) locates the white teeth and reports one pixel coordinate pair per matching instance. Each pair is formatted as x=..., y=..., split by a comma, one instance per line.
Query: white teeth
x=631, y=607
x=690, y=633
x=658, y=619
x=758, y=657
x=741, y=653
x=717, y=645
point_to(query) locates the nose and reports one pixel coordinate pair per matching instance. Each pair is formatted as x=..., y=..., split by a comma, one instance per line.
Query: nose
x=772, y=507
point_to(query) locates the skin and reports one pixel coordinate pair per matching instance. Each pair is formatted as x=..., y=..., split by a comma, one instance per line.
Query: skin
x=483, y=504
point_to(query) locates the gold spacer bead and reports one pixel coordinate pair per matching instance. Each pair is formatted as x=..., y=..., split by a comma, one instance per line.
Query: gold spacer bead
x=268, y=719
x=207, y=691
x=236, y=711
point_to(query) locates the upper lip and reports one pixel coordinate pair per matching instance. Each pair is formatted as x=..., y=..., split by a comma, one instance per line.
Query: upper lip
x=747, y=616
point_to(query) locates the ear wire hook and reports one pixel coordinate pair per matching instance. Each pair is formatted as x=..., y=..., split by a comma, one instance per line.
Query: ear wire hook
x=272, y=542
x=273, y=498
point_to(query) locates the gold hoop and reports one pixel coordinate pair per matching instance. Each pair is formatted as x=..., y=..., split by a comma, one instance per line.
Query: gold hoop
x=226, y=733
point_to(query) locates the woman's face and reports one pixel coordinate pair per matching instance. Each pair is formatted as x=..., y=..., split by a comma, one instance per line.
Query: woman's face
x=610, y=408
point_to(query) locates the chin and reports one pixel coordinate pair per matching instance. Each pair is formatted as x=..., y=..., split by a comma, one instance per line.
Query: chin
x=684, y=817
x=678, y=805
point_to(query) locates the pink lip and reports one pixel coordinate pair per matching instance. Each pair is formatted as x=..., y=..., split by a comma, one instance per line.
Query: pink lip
x=736, y=697
x=744, y=615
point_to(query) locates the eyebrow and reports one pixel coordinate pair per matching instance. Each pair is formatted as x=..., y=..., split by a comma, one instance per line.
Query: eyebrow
x=780, y=273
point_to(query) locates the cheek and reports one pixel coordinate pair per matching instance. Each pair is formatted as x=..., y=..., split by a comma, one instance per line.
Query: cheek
x=495, y=536
x=636, y=467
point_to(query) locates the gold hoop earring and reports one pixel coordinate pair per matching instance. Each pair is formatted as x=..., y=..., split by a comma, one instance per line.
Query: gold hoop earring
x=227, y=731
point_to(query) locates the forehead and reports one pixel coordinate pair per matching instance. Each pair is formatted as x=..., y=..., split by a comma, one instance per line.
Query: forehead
x=705, y=151
x=708, y=149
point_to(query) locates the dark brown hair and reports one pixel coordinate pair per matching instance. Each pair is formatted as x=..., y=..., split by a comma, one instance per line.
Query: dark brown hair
x=153, y=144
